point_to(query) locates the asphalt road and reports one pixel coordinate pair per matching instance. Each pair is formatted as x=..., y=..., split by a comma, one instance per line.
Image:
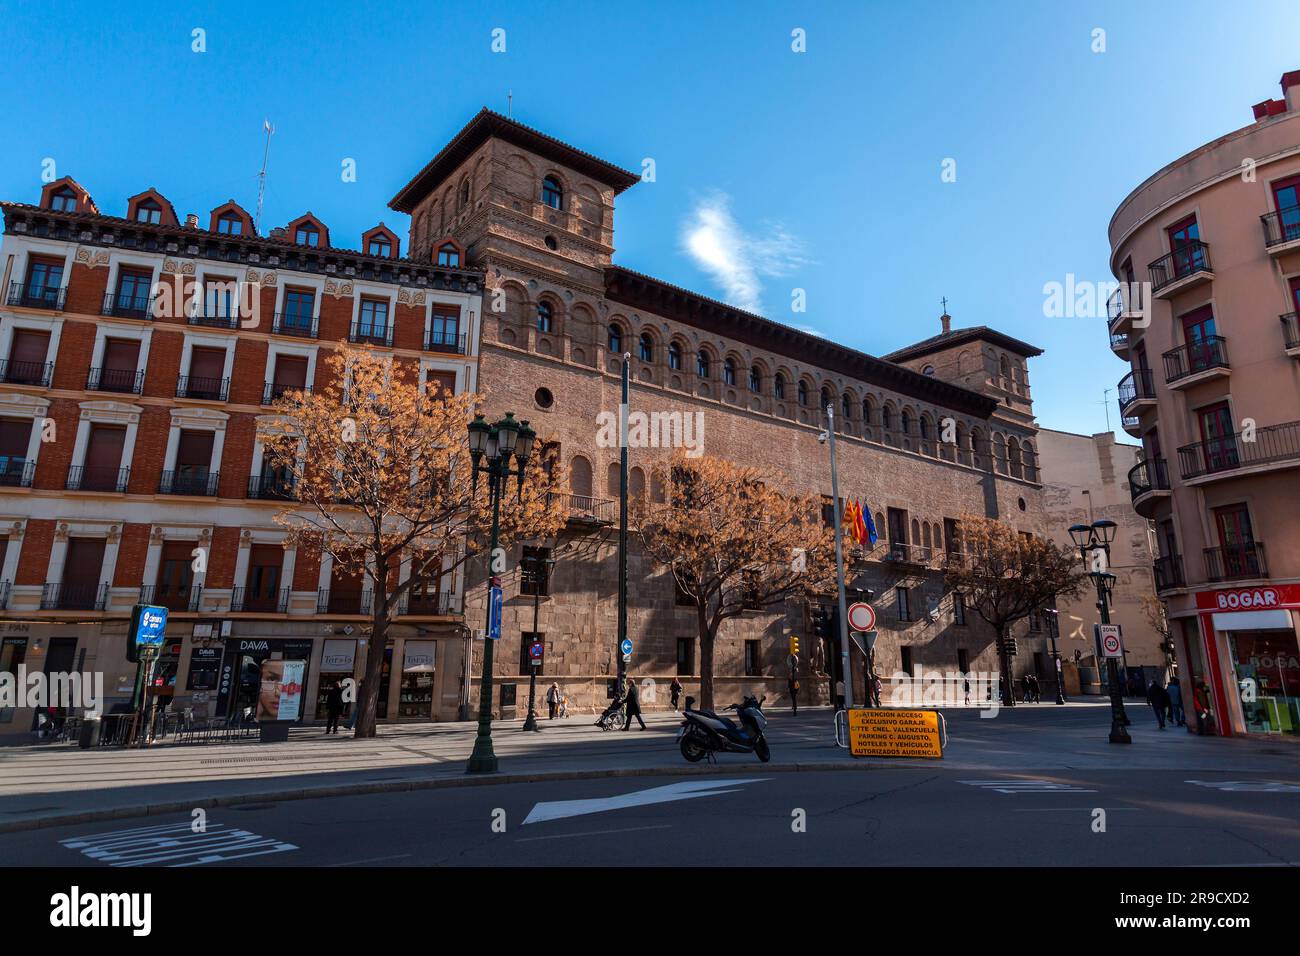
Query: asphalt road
x=907, y=815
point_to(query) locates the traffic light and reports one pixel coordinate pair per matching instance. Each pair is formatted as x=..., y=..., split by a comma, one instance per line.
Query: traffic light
x=1009, y=646
x=794, y=643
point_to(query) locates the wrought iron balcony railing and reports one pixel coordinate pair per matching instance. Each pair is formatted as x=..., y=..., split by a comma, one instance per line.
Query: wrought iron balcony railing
x=1137, y=384
x=1186, y=260
x=36, y=296
x=1281, y=226
x=1235, y=563
x=437, y=341
x=1168, y=571
x=125, y=381
x=26, y=373
x=74, y=597
x=1291, y=330
x=273, y=390
x=174, y=597
x=1195, y=357
x=244, y=600
x=215, y=318
x=127, y=306
x=195, y=482
x=585, y=507
x=295, y=324
x=367, y=333
x=92, y=478
x=200, y=387
x=271, y=487
x=1261, y=446
x=16, y=472
x=342, y=602
x=444, y=602
x=1147, y=476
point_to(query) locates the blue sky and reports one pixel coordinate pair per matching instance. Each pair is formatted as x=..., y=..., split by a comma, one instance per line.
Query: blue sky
x=775, y=170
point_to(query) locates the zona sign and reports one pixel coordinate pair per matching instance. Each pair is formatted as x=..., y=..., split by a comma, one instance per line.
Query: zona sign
x=862, y=617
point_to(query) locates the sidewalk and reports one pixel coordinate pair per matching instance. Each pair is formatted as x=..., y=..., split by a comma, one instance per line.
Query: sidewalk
x=50, y=785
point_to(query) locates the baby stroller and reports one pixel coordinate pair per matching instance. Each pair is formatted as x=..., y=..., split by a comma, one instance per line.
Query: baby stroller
x=613, y=717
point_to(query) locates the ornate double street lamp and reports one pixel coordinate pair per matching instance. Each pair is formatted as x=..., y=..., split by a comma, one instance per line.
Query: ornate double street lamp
x=1091, y=539
x=492, y=447
x=538, y=569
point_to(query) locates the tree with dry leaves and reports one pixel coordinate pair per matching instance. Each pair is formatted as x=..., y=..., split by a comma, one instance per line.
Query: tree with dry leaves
x=733, y=543
x=381, y=472
x=1006, y=575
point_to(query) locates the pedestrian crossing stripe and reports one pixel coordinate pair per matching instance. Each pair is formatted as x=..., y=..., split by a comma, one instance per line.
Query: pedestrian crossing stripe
x=1026, y=786
x=1248, y=786
x=174, y=845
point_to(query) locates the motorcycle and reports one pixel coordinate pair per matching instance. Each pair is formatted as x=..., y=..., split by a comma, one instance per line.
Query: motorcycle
x=705, y=733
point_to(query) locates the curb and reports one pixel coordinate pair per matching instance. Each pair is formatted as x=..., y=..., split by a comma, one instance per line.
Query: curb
x=405, y=786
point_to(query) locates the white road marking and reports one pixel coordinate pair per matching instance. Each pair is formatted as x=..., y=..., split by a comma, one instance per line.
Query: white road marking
x=687, y=790
x=1026, y=786
x=174, y=845
x=1070, y=809
x=1248, y=786
x=373, y=859
x=565, y=836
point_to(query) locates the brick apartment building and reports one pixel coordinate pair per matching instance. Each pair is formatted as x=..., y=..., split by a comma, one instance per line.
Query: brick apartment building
x=132, y=379
x=537, y=217
x=1211, y=242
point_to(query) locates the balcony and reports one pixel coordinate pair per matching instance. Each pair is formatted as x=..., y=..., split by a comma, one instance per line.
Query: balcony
x=342, y=602
x=244, y=601
x=183, y=598
x=1291, y=333
x=1137, y=392
x=82, y=478
x=585, y=507
x=293, y=324
x=36, y=297
x=1268, y=448
x=199, y=482
x=1131, y=424
x=1168, y=572
x=121, y=380
x=27, y=373
x=1196, y=362
x=437, y=341
x=271, y=488
x=367, y=334
x=5, y=588
x=272, y=391
x=214, y=318
x=124, y=306
x=205, y=389
x=73, y=597
x=1122, y=308
x=16, y=472
x=916, y=555
x=1184, y=268
x=1281, y=230
x=1239, y=562
x=429, y=605
x=1148, y=482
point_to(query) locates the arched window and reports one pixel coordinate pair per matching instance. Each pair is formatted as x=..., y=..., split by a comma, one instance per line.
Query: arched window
x=803, y=393
x=612, y=480
x=755, y=379
x=148, y=211
x=702, y=364
x=545, y=317
x=1004, y=367
x=552, y=193
x=615, y=338
x=675, y=356
x=449, y=255
x=464, y=194
x=1031, y=462
x=925, y=427
x=729, y=372
x=64, y=200
x=868, y=411
x=647, y=347
x=636, y=484
x=778, y=385
x=905, y=421
x=826, y=396
x=847, y=403
x=1013, y=457
x=580, y=476
x=887, y=418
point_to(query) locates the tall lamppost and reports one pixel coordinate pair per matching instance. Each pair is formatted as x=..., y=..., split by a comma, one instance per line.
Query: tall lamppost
x=492, y=447
x=539, y=569
x=1054, y=631
x=1090, y=539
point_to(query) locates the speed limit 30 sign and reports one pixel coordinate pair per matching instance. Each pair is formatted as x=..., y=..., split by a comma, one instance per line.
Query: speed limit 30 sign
x=1111, y=645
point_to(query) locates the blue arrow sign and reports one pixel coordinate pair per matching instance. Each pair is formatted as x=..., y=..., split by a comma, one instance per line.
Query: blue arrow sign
x=626, y=646
x=494, y=614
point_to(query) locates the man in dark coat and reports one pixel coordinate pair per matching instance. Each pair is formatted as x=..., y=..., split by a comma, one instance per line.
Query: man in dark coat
x=333, y=708
x=633, y=705
x=1158, y=698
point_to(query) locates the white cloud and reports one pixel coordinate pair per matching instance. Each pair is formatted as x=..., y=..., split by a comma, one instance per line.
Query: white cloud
x=738, y=260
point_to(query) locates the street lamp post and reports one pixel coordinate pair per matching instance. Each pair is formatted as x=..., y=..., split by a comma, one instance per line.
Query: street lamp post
x=492, y=447
x=536, y=565
x=1054, y=631
x=1090, y=539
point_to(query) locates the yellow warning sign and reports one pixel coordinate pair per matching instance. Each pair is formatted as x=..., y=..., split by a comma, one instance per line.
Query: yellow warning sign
x=894, y=733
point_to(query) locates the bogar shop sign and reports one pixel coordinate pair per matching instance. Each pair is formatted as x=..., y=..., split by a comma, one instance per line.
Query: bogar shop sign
x=1269, y=598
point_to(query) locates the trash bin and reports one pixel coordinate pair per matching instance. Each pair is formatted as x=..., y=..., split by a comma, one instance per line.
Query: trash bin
x=89, y=735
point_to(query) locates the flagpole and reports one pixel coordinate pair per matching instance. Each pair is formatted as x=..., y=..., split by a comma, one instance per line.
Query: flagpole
x=847, y=674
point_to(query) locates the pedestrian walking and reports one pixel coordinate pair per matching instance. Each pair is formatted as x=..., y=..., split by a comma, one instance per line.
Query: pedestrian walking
x=356, y=705
x=676, y=690
x=1201, y=704
x=1175, y=691
x=633, y=705
x=333, y=708
x=553, y=700
x=1158, y=698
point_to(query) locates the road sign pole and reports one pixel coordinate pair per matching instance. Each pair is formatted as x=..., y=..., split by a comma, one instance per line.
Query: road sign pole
x=845, y=665
x=622, y=514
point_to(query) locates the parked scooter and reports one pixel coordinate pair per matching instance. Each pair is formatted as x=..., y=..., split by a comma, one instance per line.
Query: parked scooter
x=705, y=733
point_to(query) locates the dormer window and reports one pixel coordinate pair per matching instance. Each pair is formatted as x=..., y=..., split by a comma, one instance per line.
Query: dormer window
x=65, y=200
x=449, y=255
x=379, y=246
x=307, y=235
x=552, y=193
x=230, y=225
x=148, y=211
x=545, y=317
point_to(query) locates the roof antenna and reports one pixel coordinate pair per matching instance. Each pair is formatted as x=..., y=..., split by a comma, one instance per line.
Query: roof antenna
x=1105, y=403
x=261, y=176
x=510, y=104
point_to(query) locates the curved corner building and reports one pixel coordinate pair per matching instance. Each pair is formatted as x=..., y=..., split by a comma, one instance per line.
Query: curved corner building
x=1207, y=251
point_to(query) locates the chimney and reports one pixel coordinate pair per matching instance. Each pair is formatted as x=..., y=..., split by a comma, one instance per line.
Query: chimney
x=191, y=221
x=946, y=319
x=1291, y=89
x=279, y=232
